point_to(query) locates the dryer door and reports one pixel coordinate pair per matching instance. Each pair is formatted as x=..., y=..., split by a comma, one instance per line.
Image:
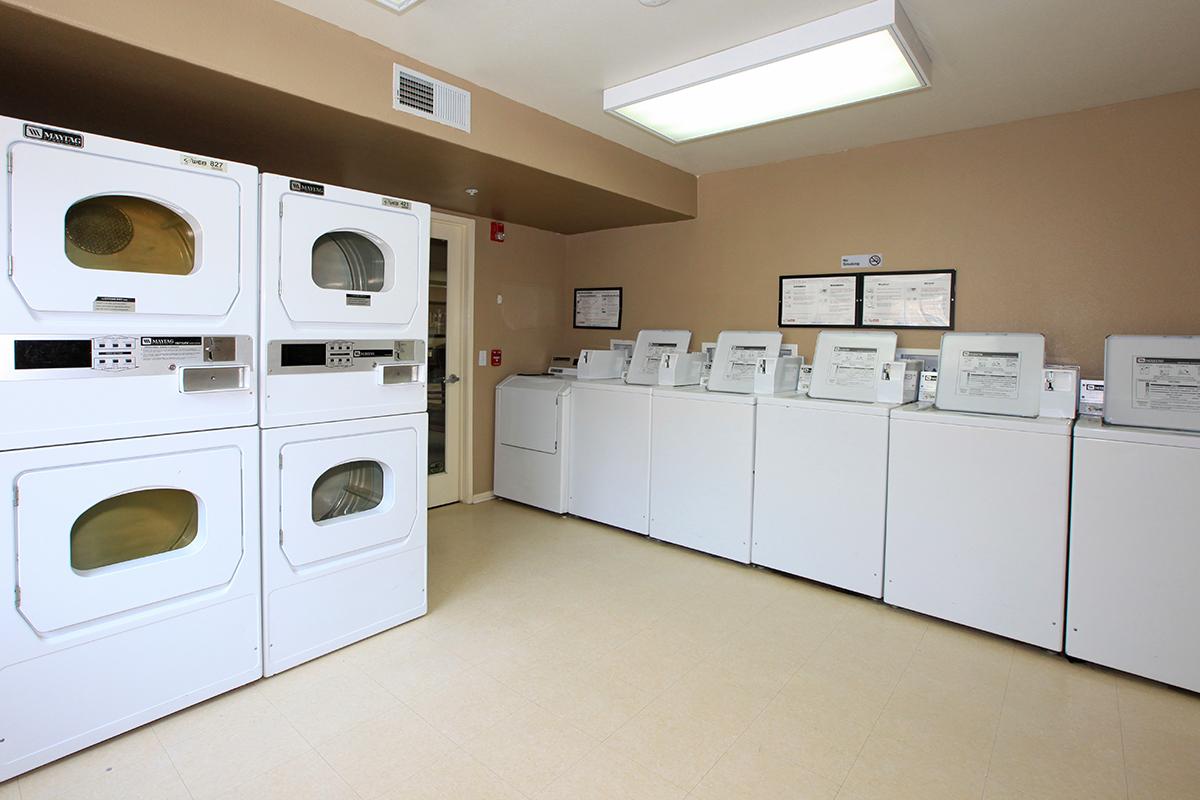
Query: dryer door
x=345, y=495
x=101, y=538
x=93, y=233
x=346, y=263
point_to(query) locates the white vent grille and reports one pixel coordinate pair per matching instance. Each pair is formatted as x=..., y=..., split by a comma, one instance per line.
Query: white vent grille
x=430, y=98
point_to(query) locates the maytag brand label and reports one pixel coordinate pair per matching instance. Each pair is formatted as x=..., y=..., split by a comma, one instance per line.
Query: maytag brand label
x=187, y=349
x=358, y=299
x=114, y=304
x=375, y=352
x=304, y=187
x=391, y=203
x=216, y=165
x=53, y=136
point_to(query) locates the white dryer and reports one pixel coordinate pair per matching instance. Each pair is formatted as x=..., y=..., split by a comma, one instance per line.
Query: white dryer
x=345, y=279
x=533, y=421
x=130, y=266
x=345, y=303
x=132, y=569
x=344, y=542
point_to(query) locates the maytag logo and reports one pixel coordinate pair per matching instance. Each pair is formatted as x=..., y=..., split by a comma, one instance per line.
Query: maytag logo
x=53, y=136
x=305, y=187
x=170, y=341
x=390, y=203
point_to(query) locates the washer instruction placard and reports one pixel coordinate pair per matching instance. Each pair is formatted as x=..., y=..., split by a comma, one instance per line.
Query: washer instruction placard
x=853, y=366
x=743, y=360
x=986, y=374
x=1166, y=384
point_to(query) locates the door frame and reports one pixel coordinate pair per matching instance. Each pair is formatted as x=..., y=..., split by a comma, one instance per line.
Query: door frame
x=463, y=228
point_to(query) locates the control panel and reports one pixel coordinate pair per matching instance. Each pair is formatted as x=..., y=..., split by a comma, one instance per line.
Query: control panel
x=54, y=357
x=294, y=357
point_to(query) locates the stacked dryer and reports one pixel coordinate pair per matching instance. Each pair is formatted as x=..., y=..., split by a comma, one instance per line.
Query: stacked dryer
x=128, y=444
x=345, y=278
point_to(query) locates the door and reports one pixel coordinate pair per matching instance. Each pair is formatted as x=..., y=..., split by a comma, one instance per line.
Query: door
x=99, y=538
x=93, y=233
x=348, y=495
x=341, y=262
x=450, y=255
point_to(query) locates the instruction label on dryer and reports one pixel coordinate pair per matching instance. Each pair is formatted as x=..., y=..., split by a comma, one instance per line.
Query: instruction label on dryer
x=176, y=349
x=853, y=366
x=1166, y=384
x=125, y=304
x=986, y=374
x=743, y=360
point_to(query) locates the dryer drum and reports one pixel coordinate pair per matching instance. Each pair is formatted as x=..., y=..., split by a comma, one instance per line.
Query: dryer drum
x=129, y=234
x=347, y=489
x=348, y=261
x=133, y=525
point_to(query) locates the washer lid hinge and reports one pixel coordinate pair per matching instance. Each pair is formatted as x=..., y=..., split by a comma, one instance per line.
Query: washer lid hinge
x=17, y=593
x=281, y=208
x=281, y=537
x=8, y=158
x=10, y=265
x=16, y=496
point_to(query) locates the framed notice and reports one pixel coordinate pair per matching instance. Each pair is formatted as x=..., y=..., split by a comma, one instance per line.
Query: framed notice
x=598, y=308
x=824, y=301
x=920, y=299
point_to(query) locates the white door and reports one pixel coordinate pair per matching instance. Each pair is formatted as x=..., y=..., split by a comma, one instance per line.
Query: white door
x=99, y=538
x=450, y=254
x=94, y=233
x=347, y=263
x=346, y=495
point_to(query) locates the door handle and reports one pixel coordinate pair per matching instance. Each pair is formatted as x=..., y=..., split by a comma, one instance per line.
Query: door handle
x=451, y=379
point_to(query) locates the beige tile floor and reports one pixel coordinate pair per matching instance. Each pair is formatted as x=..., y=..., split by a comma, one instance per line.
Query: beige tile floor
x=562, y=660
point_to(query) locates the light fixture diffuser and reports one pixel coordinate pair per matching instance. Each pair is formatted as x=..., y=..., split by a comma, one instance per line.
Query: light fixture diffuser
x=860, y=54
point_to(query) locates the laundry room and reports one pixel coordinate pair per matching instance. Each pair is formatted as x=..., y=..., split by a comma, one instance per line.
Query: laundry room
x=629, y=400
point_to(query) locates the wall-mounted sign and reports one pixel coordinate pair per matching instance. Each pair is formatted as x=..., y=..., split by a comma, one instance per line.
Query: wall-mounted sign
x=908, y=299
x=598, y=308
x=864, y=261
x=827, y=301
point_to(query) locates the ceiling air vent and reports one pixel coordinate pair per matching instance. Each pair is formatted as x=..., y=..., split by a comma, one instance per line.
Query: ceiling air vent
x=430, y=98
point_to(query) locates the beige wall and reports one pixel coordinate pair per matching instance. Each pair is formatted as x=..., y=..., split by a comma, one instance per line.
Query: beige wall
x=1077, y=226
x=526, y=270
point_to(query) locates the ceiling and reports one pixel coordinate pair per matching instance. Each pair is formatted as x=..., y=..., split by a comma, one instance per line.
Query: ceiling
x=993, y=61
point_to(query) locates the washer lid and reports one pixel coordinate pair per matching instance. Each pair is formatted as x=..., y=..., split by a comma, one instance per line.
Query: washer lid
x=611, y=385
x=1052, y=426
x=1092, y=428
x=797, y=400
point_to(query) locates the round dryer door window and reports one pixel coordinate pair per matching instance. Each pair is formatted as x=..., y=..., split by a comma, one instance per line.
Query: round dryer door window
x=132, y=526
x=129, y=234
x=348, y=261
x=347, y=489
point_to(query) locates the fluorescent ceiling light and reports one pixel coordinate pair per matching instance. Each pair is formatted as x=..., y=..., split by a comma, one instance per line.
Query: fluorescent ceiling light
x=866, y=52
x=398, y=5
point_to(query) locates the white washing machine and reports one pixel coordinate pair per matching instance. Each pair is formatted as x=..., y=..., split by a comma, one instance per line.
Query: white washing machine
x=134, y=566
x=345, y=279
x=702, y=468
x=820, y=489
x=1132, y=595
x=345, y=303
x=820, y=468
x=130, y=266
x=344, y=533
x=532, y=449
x=977, y=520
x=609, y=472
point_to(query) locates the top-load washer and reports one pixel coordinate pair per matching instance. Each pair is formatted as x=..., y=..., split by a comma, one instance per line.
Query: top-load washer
x=345, y=301
x=533, y=422
x=131, y=266
x=991, y=551
x=821, y=467
x=1132, y=595
x=648, y=351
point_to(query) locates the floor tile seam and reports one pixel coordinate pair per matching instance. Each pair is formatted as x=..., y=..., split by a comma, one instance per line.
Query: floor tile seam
x=1121, y=727
x=1012, y=660
x=750, y=724
x=312, y=745
x=170, y=759
x=653, y=697
x=339, y=775
x=883, y=708
x=499, y=778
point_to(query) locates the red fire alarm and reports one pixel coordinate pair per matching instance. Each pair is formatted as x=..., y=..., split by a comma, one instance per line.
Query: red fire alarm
x=496, y=357
x=497, y=231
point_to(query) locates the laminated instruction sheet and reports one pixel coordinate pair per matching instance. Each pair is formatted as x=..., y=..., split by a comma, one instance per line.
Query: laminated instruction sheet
x=853, y=366
x=1166, y=384
x=654, y=354
x=989, y=374
x=742, y=361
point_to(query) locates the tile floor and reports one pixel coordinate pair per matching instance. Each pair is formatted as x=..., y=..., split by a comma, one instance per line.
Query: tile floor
x=562, y=660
